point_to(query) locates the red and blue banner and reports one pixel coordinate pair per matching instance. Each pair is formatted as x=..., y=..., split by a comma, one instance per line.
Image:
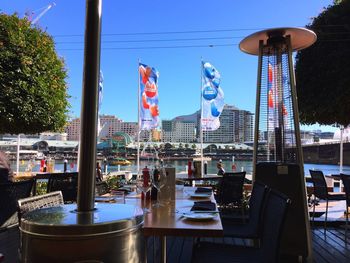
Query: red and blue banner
x=212, y=98
x=149, y=112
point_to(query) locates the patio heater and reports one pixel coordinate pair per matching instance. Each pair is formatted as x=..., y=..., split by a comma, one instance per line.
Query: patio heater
x=277, y=158
x=85, y=232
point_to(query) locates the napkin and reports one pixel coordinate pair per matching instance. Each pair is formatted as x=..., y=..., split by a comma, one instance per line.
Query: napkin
x=203, y=190
x=203, y=206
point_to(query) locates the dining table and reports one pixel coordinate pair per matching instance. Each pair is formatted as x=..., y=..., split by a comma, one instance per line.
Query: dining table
x=175, y=218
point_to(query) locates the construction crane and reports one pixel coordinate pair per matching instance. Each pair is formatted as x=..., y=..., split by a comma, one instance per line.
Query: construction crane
x=43, y=12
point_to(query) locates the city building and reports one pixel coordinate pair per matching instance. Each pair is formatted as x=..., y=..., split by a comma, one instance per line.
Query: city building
x=236, y=126
x=109, y=125
x=178, y=130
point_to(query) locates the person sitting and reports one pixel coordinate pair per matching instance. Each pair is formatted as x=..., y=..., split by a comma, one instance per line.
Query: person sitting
x=99, y=176
x=6, y=174
x=221, y=170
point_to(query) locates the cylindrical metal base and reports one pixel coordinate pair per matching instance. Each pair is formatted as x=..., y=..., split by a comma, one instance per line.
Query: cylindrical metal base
x=103, y=239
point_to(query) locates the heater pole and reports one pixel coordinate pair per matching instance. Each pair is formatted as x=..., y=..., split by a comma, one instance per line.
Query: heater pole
x=257, y=109
x=89, y=107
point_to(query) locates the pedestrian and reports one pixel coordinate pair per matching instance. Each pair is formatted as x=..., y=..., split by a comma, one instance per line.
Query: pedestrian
x=99, y=176
x=221, y=170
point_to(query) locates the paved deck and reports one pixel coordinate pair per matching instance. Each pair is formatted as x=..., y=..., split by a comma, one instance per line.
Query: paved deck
x=334, y=246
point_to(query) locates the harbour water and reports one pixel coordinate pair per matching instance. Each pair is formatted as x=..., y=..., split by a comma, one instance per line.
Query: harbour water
x=181, y=166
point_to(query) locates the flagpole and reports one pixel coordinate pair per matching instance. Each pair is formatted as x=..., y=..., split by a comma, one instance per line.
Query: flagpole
x=138, y=117
x=201, y=129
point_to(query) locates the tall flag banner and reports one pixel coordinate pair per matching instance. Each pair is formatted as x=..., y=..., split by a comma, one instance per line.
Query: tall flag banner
x=100, y=90
x=273, y=96
x=212, y=98
x=100, y=96
x=149, y=112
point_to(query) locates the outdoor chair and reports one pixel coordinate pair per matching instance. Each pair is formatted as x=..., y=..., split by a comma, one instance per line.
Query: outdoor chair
x=346, y=182
x=67, y=183
x=268, y=252
x=230, y=192
x=251, y=229
x=9, y=194
x=4, y=175
x=28, y=204
x=101, y=188
x=321, y=192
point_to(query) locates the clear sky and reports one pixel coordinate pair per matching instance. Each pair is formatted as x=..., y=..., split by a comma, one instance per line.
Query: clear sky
x=171, y=36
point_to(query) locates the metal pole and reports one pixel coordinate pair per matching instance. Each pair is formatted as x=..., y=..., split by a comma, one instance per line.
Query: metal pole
x=89, y=106
x=341, y=149
x=257, y=109
x=138, y=118
x=300, y=159
x=200, y=127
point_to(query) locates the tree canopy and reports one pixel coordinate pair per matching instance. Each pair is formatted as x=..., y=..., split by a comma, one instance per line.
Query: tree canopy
x=323, y=70
x=33, y=95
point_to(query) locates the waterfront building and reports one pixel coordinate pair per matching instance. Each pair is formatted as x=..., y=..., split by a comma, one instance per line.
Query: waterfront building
x=178, y=130
x=236, y=126
x=109, y=124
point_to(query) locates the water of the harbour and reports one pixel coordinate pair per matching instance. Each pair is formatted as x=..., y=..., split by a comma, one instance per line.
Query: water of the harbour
x=181, y=166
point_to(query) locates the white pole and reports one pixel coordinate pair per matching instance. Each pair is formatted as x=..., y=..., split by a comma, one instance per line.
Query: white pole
x=201, y=129
x=18, y=148
x=138, y=117
x=341, y=149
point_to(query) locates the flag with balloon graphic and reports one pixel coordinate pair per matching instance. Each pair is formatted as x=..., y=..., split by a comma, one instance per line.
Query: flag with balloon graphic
x=273, y=97
x=149, y=112
x=212, y=98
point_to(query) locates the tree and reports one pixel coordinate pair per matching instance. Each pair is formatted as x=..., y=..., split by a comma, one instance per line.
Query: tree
x=323, y=69
x=33, y=95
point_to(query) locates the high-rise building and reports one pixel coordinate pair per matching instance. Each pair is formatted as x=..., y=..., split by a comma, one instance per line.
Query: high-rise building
x=109, y=124
x=235, y=126
x=73, y=130
x=178, y=130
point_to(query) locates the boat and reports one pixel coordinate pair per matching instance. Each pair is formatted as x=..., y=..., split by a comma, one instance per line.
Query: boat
x=119, y=161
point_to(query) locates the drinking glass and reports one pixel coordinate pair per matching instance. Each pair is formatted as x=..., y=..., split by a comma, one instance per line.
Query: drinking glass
x=144, y=186
x=158, y=181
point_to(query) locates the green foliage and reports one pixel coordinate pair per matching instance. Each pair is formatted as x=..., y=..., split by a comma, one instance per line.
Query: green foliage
x=41, y=188
x=114, y=182
x=33, y=95
x=323, y=70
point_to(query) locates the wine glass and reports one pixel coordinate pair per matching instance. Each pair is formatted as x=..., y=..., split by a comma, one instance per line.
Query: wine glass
x=144, y=184
x=158, y=181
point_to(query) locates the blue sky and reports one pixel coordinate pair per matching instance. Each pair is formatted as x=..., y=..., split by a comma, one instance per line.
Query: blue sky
x=175, y=47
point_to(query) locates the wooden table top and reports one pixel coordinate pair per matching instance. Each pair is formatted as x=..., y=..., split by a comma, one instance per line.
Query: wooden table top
x=168, y=220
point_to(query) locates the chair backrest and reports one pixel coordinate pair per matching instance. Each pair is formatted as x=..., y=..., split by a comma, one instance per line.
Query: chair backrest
x=9, y=194
x=67, y=183
x=346, y=182
x=320, y=184
x=231, y=188
x=273, y=220
x=26, y=205
x=101, y=188
x=257, y=203
x=4, y=175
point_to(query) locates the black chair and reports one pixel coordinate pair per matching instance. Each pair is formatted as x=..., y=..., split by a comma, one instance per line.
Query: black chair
x=9, y=194
x=321, y=192
x=251, y=229
x=4, y=175
x=101, y=188
x=230, y=191
x=67, y=183
x=346, y=182
x=273, y=220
